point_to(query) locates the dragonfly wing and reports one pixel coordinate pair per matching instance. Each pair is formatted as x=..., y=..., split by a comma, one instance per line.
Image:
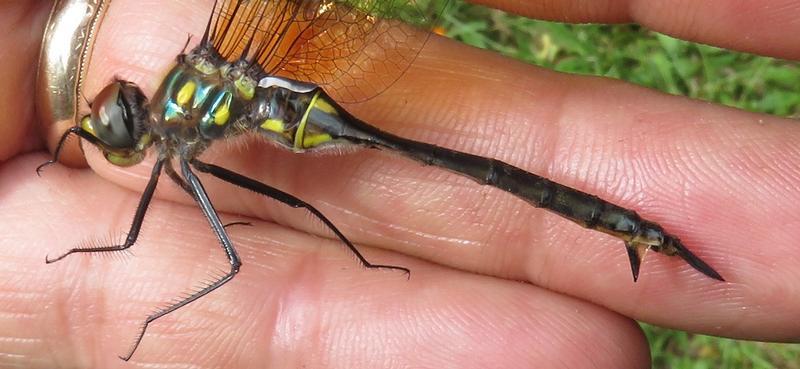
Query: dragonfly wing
x=355, y=49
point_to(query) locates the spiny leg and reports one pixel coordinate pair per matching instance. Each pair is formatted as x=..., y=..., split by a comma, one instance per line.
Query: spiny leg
x=74, y=130
x=276, y=194
x=175, y=177
x=201, y=197
x=136, y=225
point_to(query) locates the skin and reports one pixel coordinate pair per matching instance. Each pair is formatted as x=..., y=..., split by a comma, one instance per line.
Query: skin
x=723, y=180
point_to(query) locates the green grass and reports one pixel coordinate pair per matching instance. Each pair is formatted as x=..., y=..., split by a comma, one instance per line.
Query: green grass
x=681, y=350
x=637, y=55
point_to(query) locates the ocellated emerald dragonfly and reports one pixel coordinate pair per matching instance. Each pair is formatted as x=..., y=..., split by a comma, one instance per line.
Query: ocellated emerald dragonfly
x=279, y=70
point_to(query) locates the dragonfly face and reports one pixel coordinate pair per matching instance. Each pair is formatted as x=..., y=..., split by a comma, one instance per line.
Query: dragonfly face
x=119, y=123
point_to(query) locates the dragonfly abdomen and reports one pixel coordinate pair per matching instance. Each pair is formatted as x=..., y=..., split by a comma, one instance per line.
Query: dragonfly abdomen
x=585, y=209
x=323, y=121
x=296, y=120
x=580, y=207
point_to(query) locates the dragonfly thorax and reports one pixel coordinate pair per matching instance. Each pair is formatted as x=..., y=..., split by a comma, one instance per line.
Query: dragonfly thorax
x=191, y=104
x=203, y=99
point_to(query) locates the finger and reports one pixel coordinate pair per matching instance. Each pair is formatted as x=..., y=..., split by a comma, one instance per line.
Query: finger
x=699, y=170
x=21, y=25
x=298, y=300
x=756, y=26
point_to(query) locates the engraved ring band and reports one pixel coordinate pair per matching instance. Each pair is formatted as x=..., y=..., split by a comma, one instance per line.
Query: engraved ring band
x=63, y=62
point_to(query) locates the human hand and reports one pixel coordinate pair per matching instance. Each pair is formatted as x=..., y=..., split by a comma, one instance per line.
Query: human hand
x=720, y=179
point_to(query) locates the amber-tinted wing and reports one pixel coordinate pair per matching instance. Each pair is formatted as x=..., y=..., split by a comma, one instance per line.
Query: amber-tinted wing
x=355, y=49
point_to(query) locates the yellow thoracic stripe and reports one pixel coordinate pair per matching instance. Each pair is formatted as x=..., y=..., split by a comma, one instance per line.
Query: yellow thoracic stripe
x=223, y=111
x=186, y=93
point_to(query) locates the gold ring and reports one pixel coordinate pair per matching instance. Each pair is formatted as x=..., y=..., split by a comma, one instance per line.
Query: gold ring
x=63, y=62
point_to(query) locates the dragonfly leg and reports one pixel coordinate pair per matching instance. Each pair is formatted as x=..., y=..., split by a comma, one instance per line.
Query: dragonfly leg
x=290, y=200
x=238, y=223
x=136, y=225
x=200, y=195
x=74, y=130
x=173, y=175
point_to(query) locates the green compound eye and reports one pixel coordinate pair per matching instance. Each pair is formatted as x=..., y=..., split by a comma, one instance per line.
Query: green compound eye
x=111, y=118
x=118, y=121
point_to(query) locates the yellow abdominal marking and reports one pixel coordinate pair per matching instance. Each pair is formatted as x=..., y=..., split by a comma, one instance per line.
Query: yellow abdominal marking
x=324, y=106
x=274, y=125
x=303, y=139
x=299, y=135
x=315, y=140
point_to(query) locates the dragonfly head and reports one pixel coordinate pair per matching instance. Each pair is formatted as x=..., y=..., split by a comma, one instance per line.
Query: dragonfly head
x=119, y=122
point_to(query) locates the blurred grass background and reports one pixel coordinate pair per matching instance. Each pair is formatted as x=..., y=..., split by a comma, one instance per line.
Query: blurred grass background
x=634, y=54
x=637, y=55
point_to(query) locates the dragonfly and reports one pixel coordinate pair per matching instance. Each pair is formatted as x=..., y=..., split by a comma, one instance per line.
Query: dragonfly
x=281, y=70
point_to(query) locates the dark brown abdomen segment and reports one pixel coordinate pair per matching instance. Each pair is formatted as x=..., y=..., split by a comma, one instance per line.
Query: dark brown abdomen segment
x=585, y=209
